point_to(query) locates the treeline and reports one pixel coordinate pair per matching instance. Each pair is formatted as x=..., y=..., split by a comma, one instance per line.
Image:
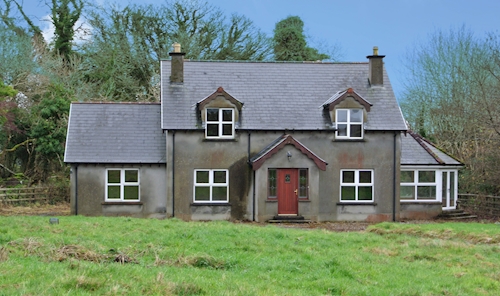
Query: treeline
x=110, y=53
x=452, y=97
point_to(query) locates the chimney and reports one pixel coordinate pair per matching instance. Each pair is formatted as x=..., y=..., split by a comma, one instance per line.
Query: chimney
x=376, y=71
x=177, y=64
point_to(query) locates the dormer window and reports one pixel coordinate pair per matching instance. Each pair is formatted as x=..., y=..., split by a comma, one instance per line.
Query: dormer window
x=219, y=123
x=220, y=115
x=349, y=123
x=348, y=112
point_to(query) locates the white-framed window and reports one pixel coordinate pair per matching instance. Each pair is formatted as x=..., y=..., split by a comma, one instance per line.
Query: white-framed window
x=356, y=185
x=219, y=123
x=349, y=123
x=122, y=185
x=418, y=185
x=211, y=185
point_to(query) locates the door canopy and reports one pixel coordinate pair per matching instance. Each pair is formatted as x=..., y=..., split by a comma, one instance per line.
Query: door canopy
x=258, y=160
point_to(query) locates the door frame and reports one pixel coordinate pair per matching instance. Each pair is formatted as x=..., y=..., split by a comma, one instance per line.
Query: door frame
x=449, y=189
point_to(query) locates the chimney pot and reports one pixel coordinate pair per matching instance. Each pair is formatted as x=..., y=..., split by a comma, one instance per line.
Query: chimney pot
x=375, y=50
x=177, y=47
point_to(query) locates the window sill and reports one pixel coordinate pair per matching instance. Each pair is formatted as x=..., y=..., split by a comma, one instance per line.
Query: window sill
x=122, y=203
x=220, y=140
x=349, y=140
x=412, y=201
x=272, y=200
x=356, y=203
x=204, y=204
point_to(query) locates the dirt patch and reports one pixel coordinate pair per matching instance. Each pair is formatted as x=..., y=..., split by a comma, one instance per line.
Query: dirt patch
x=341, y=226
x=61, y=209
x=330, y=226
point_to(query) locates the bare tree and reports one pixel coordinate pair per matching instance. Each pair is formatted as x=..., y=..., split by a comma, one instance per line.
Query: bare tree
x=452, y=96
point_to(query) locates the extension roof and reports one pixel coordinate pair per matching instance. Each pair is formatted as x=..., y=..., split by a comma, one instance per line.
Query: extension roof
x=416, y=150
x=115, y=133
x=276, y=95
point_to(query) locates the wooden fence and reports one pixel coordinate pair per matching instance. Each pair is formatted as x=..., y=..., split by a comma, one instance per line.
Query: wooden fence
x=483, y=205
x=25, y=195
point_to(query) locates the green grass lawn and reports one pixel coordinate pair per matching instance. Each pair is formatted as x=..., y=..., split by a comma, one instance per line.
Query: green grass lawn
x=115, y=256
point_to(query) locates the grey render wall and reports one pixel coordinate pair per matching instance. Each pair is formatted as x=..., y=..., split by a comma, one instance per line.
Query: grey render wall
x=90, y=197
x=192, y=152
x=375, y=152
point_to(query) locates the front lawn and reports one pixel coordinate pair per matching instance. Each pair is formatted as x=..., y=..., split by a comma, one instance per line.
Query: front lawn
x=115, y=256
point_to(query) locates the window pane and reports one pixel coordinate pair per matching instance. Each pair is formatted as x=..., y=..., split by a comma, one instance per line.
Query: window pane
x=272, y=183
x=212, y=130
x=356, y=115
x=219, y=193
x=348, y=193
x=202, y=193
x=131, y=192
x=219, y=176
x=212, y=114
x=365, y=177
x=341, y=115
x=227, y=115
x=227, y=129
x=348, y=177
x=113, y=192
x=426, y=192
x=303, y=183
x=365, y=193
x=355, y=131
x=342, y=130
x=426, y=176
x=201, y=177
x=113, y=176
x=407, y=192
x=131, y=176
x=407, y=176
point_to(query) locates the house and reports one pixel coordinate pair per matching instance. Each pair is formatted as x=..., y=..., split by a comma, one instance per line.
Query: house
x=258, y=141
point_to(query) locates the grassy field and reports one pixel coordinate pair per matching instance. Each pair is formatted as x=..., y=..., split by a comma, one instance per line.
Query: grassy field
x=116, y=256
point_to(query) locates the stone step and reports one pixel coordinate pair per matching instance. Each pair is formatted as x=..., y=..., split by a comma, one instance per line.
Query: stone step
x=288, y=217
x=453, y=214
x=454, y=211
x=456, y=214
x=288, y=221
x=463, y=217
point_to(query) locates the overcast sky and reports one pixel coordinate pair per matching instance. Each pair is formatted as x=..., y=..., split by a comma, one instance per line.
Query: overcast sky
x=357, y=25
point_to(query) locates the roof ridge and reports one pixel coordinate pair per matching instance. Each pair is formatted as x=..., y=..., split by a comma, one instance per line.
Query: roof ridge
x=420, y=140
x=269, y=62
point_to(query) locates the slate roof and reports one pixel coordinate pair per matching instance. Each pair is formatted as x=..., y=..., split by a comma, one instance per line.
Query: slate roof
x=115, y=133
x=276, y=96
x=416, y=150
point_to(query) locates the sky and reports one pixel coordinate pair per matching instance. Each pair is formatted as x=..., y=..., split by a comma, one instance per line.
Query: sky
x=395, y=26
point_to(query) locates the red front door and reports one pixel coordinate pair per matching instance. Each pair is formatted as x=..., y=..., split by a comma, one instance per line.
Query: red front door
x=287, y=191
